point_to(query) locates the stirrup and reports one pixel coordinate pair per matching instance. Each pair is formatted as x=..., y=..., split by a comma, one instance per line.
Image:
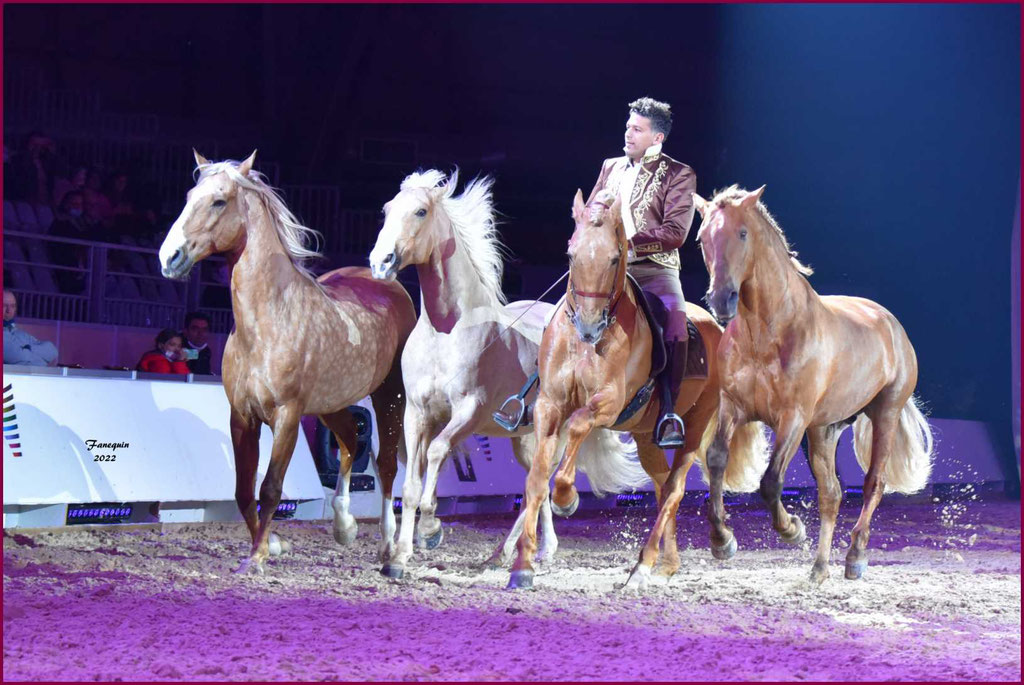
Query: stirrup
x=670, y=442
x=506, y=418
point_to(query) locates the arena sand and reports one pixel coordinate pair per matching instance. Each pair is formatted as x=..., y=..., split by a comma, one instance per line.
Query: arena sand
x=940, y=601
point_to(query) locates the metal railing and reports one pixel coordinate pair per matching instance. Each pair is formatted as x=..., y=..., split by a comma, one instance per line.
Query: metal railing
x=103, y=283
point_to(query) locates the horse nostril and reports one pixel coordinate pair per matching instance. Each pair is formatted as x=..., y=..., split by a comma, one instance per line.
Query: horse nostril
x=390, y=258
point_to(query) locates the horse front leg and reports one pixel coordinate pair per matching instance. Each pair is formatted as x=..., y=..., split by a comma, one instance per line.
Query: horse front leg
x=245, y=441
x=788, y=433
x=566, y=498
x=286, y=430
x=723, y=542
x=465, y=416
x=417, y=428
x=547, y=421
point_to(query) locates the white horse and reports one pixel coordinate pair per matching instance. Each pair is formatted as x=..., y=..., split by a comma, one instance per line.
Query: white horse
x=468, y=352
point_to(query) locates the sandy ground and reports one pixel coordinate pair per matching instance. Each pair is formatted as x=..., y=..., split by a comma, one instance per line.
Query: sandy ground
x=940, y=601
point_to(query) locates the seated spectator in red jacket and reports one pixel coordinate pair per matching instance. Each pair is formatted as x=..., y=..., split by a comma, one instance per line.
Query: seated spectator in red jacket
x=167, y=357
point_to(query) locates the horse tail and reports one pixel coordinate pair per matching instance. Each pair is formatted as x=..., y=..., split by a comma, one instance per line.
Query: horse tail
x=910, y=463
x=611, y=465
x=748, y=456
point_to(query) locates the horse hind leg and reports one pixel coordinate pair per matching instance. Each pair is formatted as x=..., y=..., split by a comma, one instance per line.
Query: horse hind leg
x=389, y=407
x=343, y=425
x=884, y=419
x=464, y=417
x=821, y=456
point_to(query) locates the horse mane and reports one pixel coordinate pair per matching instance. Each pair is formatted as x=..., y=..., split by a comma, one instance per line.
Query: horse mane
x=734, y=194
x=473, y=222
x=294, y=236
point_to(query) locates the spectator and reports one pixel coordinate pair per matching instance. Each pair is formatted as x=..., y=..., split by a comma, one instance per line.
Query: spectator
x=167, y=357
x=71, y=222
x=197, y=352
x=97, y=205
x=32, y=170
x=63, y=186
x=20, y=347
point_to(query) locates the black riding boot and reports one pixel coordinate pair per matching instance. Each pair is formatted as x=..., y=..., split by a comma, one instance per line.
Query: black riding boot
x=670, y=433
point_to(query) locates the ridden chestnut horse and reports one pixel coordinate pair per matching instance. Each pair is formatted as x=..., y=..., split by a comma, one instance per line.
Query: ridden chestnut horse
x=301, y=345
x=803, y=363
x=469, y=351
x=594, y=358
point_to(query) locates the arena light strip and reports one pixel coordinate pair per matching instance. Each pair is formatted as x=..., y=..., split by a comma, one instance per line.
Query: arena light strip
x=98, y=513
x=285, y=510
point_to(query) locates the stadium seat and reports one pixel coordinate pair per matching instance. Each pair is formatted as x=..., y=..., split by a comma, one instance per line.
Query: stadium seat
x=11, y=222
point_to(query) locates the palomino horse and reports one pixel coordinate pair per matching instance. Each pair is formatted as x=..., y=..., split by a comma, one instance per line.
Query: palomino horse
x=468, y=352
x=300, y=345
x=595, y=357
x=804, y=363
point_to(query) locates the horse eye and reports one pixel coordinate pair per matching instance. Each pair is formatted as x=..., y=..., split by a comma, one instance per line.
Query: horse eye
x=219, y=203
x=743, y=234
x=421, y=212
x=615, y=260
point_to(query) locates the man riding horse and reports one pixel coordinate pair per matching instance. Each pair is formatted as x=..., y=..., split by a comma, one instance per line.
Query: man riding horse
x=656, y=193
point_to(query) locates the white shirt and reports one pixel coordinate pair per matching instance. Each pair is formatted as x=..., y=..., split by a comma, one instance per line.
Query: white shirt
x=626, y=184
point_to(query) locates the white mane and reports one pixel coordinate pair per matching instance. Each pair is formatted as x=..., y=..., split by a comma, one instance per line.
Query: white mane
x=294, y=236
x=472, y=219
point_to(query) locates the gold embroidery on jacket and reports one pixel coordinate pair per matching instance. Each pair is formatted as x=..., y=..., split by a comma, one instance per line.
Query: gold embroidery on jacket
x=640, y=211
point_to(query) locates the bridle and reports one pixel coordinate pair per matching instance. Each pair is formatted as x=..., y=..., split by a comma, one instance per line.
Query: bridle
x=608, y=313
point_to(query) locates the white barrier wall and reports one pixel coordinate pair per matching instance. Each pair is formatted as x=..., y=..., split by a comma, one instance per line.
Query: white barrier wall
x=105, y=437
x=115, y=439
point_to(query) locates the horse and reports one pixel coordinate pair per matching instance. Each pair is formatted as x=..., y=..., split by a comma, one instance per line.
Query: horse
x=469, y=351
x=803, y=363
x=595, y=358
x=300, y=345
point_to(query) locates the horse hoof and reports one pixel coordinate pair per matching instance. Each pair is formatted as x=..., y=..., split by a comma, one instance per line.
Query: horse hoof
x=433, y=541
x=277, y=546
x=639, y=579
x=726, y=551
x=855, y=569
x=567, y=511
x=345, y=536
x=250, y=566
x=520, y=580
x=799, y=533
x=392, y=571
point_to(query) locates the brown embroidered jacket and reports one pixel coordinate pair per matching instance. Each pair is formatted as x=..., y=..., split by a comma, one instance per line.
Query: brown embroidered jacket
x=661, y=204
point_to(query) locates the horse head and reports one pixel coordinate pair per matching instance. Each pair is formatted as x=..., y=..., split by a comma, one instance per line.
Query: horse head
x=408, y=236
x=213, y=220
x=727, y=243
x=597, y=264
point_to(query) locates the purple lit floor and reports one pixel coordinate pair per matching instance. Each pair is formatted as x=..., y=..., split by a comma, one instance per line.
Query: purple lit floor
x=941, y=601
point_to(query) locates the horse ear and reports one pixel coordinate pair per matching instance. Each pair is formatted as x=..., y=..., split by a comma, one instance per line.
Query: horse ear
x=752, y=197
x=200, y=160
x=615, y=211
x=700, y=203
x=577, y=205
x=245, y=167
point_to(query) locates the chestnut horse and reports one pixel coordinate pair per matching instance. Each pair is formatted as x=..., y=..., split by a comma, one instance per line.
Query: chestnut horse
x=469, y=351
x=594, y=358
x=301, y=345
x=803, y=363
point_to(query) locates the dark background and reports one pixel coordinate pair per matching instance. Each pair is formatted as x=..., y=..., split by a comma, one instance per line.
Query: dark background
x=888, y=136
